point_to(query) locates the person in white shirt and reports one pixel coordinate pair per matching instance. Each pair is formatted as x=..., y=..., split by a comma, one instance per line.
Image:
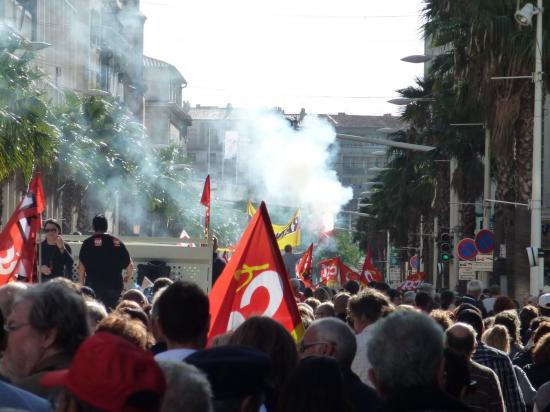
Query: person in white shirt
x=183, y=320
x=365, y=309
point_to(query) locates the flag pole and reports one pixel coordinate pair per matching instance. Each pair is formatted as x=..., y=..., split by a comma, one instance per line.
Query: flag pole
x=39, y=261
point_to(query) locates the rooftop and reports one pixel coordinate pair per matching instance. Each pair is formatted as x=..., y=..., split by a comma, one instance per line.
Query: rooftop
x=151, y=63
x=343, y=120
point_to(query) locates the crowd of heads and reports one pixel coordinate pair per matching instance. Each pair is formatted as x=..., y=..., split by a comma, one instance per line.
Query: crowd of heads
x=362, y=348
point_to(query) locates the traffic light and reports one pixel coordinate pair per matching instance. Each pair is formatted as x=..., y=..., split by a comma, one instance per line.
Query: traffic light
x=445, y=247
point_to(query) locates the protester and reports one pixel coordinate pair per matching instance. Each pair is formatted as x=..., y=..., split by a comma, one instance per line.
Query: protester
x=473, y=294
x=322, y=294
x=526, y=315
x=316, y=385
x=290, y=260
x=298, y=295
x=503, y=303
x=183, y=320
x=406, y=352
x=110, y=374
x=313, y=303
x=161, y=283
x=539, y=371
x=102, y=259
x=395, y=297
x=325, y=310
x=486, y=394
x=352, y=287
x=17, y=399
x=365, y=309
x=341, y=305
x=218, y=264
x=544, y=304
x=55, y=255
x=306, y=314
x=187, y=388
x=496, y=360
x=409, y=298
x=333, y=338
x=442, y=317
x=542, y=399
x=237, y=374
x=510, y=320
x=8, y=293
x=96, y=313
x=132, y=330
x=136, y=295
x=271, y=338
x=47, y=325
x=540, y=326
x=489, y=301
x=424, y=302
x=448, y=299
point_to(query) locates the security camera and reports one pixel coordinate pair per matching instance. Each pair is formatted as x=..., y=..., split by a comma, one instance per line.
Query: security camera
x=524, y=16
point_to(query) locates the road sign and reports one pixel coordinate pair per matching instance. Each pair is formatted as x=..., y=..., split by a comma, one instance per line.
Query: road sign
x=395, y=273
x=465, y=270
x=467, y=249
x=483, y=263
x=413, y=261
x=485, y=241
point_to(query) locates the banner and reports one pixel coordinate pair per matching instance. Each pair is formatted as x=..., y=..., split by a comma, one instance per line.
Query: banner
x=254, y=283
x=18, y=238
x=304, y=267
x=413, y=281
x=369, y=272
x=289, y=234
x=205, y=201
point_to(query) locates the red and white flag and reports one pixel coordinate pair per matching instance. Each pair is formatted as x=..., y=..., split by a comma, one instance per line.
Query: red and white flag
x=304, y=267
x=18, y=238
x=185, y=235
x=413, y=281
x=335, y=273
x=254, y=283
x=370, y=273
x=205, y=201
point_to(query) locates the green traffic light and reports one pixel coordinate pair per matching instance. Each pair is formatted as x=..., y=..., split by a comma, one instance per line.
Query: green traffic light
x=445, y=257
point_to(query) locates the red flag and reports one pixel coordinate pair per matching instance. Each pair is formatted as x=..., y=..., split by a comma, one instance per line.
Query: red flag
x=254, y=282
x=413, y=281
x=304, y=266
x=18, y=238
x=334, y=271
x=370, y=273
x=205, y=201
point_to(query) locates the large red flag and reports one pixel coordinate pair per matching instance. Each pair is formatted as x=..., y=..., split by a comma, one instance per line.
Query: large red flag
x=18, y=238
x=334, y=271
x=205, y=201
x=304, y=267
x=254, y=282
x=370, y=273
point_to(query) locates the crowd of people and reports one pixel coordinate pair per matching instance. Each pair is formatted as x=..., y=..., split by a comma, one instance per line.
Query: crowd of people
x=68, y=347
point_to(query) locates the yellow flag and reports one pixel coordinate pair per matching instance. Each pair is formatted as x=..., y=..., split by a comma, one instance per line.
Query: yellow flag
x=289, y=234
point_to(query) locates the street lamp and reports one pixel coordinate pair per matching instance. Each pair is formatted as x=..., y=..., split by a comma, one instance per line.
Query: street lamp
x=416, y=58
x=524, y=17
x=402, y=101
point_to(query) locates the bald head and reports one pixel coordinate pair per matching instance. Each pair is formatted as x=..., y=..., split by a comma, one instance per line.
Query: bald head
x=461, y=338
x=335, y=331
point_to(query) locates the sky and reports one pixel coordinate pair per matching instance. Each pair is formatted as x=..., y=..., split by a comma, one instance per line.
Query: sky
x=325, y=56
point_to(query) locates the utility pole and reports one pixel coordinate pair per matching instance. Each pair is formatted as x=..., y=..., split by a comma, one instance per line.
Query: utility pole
x=453, y=227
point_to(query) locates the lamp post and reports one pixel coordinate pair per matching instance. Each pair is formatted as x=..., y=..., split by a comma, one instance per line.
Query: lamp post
x=524, y=17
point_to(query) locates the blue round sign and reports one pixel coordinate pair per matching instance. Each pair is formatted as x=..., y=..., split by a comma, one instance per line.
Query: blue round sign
x=485, y=241
x=467, y=249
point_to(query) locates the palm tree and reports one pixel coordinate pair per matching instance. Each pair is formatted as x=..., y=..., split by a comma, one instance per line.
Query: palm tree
x=483, y=41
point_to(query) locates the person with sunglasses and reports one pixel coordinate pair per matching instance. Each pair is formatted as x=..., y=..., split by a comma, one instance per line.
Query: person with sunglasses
x=55, y=255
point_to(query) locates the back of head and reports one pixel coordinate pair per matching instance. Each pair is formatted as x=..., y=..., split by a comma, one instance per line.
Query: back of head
x=352, y=286
x=312, y=303
x=322, y=294
x=423, y=301
x=58, y=307
x=409, y=297
x=135, y=295
x=527, y=314
x=416, y=363
x=497, y=337
x=427, y=288
x=160, y=283
x=472, y=318
x=315, y=385
x=442, y=317
x=187, y=388
x=474, y=287
x=503, y=303
x=341, y=303
x=461, y=338
x=99, y=224
x=542, y=329
x=338, y=332
x=288, y=249
x=369, y=303
x=271, y=338
x=510, y=320
x=541, y=353
x=494, y=289
x=8, y=294
x=130, y=329
x=324, y=310
x=447, y=299
x=184, y=313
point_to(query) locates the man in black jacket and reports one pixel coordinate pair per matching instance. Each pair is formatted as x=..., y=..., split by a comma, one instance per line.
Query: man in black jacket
x=333, y=338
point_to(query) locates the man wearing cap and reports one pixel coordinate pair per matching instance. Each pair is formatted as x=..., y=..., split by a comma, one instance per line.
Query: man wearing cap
x=544, y=304
x=109, y=374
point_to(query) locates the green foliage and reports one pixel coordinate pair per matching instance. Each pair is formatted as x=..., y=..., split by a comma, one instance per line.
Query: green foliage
x=345, y=247
x=27, y=133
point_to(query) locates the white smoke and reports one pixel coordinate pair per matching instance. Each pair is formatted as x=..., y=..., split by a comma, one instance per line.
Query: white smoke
x=293, y=167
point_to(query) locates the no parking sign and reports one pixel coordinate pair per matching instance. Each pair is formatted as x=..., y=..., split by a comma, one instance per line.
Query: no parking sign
x=467, y=249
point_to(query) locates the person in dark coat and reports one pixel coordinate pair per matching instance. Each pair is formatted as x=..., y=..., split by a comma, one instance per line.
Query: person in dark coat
x=55, y=255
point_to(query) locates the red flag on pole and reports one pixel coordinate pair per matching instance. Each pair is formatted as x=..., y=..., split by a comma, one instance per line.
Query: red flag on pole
x=304, y=266
x=254, y=282
x=334, y=271
x=370, y=273
x=18, y=238
x=205, y=201
x=413, y=281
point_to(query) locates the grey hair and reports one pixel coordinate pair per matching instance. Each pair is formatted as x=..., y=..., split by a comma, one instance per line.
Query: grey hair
x=474, y=285
x=154, y=313
x=8, y=294
x=405, y=350
x=96, y=312
x=336, y=331
x=187, y=388
x=55, y=306
x=409, y=297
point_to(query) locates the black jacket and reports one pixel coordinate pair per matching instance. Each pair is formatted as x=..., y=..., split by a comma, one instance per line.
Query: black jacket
x=362, y=397
x=422, y=399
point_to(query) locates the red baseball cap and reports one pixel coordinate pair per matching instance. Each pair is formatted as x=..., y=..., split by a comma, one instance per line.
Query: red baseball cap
x=106, y=370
